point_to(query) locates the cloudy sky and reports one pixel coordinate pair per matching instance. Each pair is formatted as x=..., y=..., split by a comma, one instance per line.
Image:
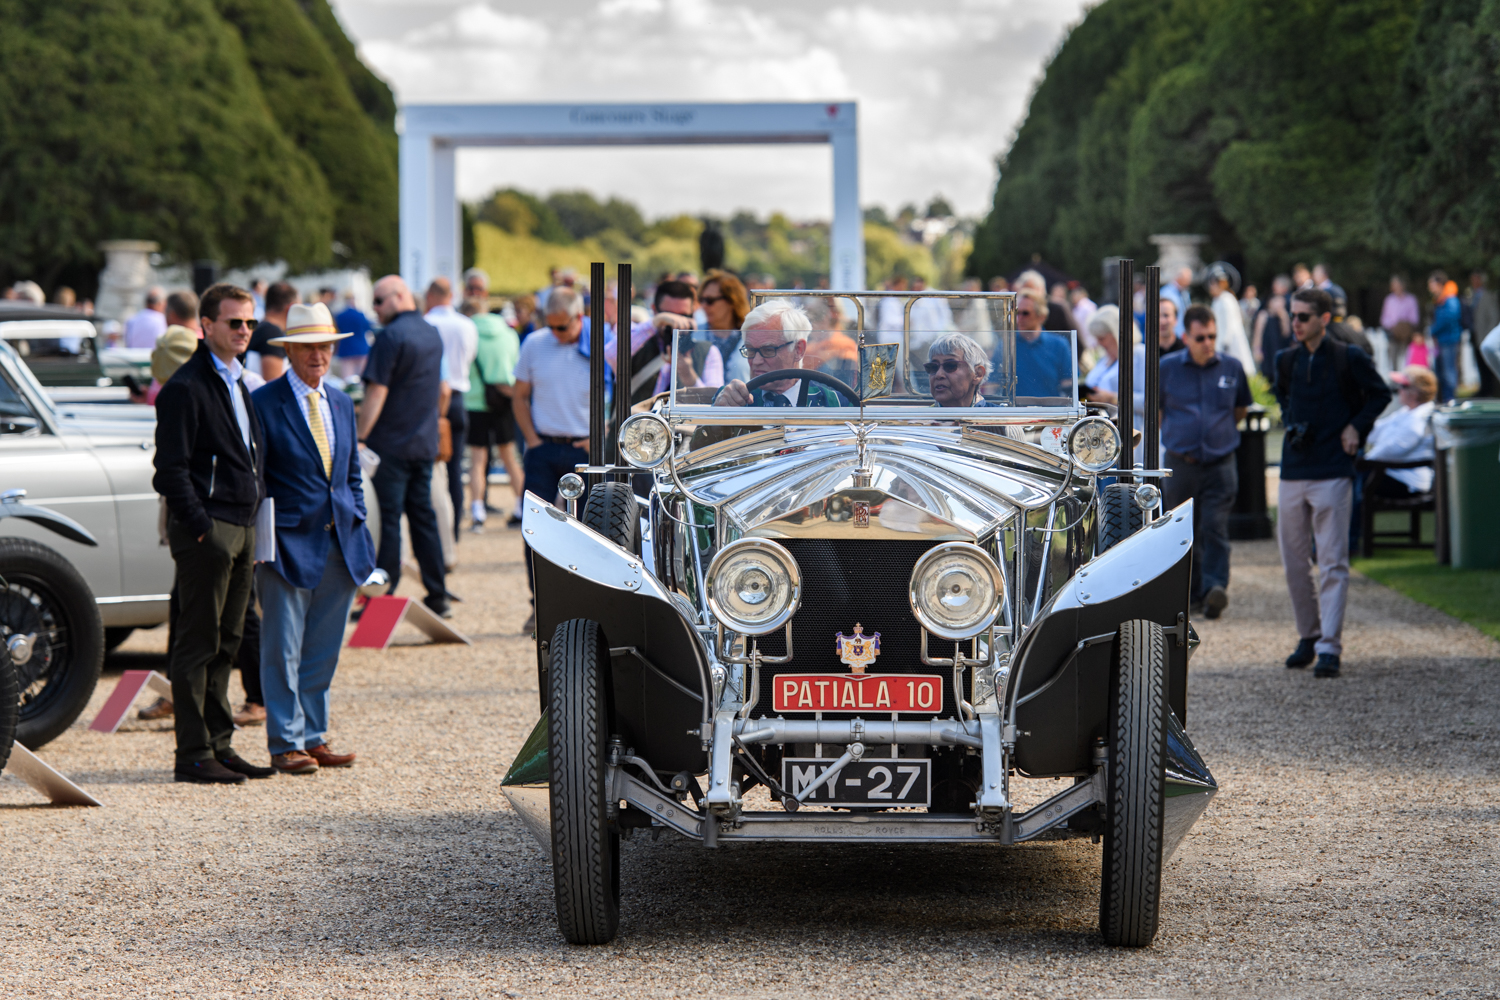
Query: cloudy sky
x=941, y=85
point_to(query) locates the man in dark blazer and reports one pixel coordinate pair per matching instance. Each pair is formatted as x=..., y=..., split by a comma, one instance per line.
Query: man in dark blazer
x=323, y=550
x=210, y=459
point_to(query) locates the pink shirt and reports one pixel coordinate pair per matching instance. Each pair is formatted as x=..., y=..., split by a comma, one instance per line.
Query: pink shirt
x=1397, y=308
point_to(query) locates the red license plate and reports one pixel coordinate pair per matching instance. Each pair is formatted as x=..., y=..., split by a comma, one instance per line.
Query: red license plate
x=878, y=693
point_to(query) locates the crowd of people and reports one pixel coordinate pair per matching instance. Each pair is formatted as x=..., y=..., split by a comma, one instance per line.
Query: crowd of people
x=252, y=439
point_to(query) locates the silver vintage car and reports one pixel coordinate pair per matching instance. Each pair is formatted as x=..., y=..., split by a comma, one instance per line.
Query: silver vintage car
x=868, y=619
x=67, y=596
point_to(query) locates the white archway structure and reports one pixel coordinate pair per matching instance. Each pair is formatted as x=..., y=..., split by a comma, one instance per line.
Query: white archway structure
x=431, y=237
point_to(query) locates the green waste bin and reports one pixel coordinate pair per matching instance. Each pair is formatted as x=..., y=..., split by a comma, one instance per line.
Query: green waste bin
x=1470, y=434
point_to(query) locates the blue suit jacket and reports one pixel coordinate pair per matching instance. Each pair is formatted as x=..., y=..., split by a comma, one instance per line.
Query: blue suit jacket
x=306, y=502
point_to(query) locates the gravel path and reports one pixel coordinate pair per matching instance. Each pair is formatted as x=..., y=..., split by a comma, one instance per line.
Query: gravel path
x=1351, y=851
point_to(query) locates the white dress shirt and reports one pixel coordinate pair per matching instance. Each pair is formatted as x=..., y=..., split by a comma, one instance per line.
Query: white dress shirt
x=231, y=374
x=460, y=344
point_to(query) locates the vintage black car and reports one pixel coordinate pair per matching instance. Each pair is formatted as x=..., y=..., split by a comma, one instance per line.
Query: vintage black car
x=884, y=613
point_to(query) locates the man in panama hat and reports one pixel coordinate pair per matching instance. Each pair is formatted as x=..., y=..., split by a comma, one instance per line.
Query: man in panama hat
x=323, y=550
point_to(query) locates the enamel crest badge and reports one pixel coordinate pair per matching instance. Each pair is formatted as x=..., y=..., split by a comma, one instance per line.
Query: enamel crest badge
x=857, y=650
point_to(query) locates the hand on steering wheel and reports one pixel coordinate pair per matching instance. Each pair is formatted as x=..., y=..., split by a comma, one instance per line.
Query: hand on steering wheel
x=737, y=393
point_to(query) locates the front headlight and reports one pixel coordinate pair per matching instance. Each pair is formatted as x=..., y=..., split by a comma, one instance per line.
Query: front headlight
x=956, y=590
x=1094, y=444
x=645, y=440
x=754, y=586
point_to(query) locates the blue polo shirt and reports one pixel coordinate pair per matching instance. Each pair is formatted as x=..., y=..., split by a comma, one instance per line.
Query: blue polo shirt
x=407, y=358
x=1198, y=404
x=352, y=320
x=1044, y=367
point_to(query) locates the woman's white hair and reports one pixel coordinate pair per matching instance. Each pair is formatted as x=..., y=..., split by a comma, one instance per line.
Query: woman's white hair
x=1106, y=319
x=790, y=317
x=959, y=345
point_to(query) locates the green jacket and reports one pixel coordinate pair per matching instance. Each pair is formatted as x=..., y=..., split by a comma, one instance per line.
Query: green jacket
x=495, y=361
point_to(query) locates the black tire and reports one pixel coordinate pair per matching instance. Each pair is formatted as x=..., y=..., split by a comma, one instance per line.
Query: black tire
x=45, y=596
x=1130, y=887
x=1119, y=516
x=113, y=637
x=10, y=697
x=585, y=843
x=612, y=511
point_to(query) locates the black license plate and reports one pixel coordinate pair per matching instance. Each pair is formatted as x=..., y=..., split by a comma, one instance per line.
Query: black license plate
x=874, y=781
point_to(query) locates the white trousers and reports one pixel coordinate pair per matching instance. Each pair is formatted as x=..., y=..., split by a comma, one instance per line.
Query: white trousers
x=1316, y=512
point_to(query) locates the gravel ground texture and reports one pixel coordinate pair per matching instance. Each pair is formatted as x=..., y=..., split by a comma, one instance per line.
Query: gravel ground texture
x=1350, y=852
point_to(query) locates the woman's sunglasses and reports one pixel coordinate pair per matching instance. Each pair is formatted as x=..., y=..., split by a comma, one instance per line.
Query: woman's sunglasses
x=950, y=366
x=709, y=300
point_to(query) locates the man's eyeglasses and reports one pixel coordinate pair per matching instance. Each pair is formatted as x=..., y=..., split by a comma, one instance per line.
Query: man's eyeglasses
x=1027, y=312
x=1202, y=337
x=560, y=329
x=242, y=324
x=766, y=352
x=1303, y=317
x=950, y=366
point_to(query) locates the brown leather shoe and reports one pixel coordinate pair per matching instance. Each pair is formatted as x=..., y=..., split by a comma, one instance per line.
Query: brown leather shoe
x=295, y=762
x=161, y=708
x=327, y=758
x=250, y=714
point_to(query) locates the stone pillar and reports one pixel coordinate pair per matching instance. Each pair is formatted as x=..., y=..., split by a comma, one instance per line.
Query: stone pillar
x=1178, y=250
x=125, y=278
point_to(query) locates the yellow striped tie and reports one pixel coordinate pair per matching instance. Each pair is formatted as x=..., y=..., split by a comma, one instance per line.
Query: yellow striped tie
x=320, y=436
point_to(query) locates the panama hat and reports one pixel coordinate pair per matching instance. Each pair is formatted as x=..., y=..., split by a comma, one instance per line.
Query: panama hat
x=309, y=324
x=171, y=352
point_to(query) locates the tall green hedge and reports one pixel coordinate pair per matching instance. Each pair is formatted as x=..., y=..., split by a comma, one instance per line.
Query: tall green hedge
x=1438, y=180
x=314, y=104
x=162, y=120
x=1264, y=124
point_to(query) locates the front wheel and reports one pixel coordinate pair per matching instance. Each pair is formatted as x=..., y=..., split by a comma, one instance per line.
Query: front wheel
x=10, y=698
x=585, y=842
x=1130, y=885
x=47, y=609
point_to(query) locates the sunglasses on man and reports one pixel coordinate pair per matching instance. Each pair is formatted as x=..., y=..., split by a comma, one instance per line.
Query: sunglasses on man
x=950, y=366
x=765, y=352
x=1203, y=337
x=559, y=329
x=242, y=324
x=1303, y=317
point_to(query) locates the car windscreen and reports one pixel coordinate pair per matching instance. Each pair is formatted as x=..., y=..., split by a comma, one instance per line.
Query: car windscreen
x=959, y=373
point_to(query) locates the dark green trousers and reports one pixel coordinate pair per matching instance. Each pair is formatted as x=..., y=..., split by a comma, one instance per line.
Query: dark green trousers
x=214, y=577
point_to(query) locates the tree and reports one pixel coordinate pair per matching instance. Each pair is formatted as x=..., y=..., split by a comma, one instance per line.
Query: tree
x=373, y=93
x=144, y=120
x=315, y=106
x=1438, y=184
x=583, y=215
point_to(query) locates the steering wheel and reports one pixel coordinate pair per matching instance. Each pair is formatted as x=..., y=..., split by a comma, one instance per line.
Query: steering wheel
x=806, y=375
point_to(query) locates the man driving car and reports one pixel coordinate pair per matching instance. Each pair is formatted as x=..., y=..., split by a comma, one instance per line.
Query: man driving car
x=956, y=367
x=775, y=338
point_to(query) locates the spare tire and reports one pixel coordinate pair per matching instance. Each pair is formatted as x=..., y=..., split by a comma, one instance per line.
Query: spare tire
x=44, y=598
x=611, y=510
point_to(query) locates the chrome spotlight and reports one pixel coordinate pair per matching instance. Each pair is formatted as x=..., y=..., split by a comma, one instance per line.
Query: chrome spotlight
x=645, y=440
x=1094, y=444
